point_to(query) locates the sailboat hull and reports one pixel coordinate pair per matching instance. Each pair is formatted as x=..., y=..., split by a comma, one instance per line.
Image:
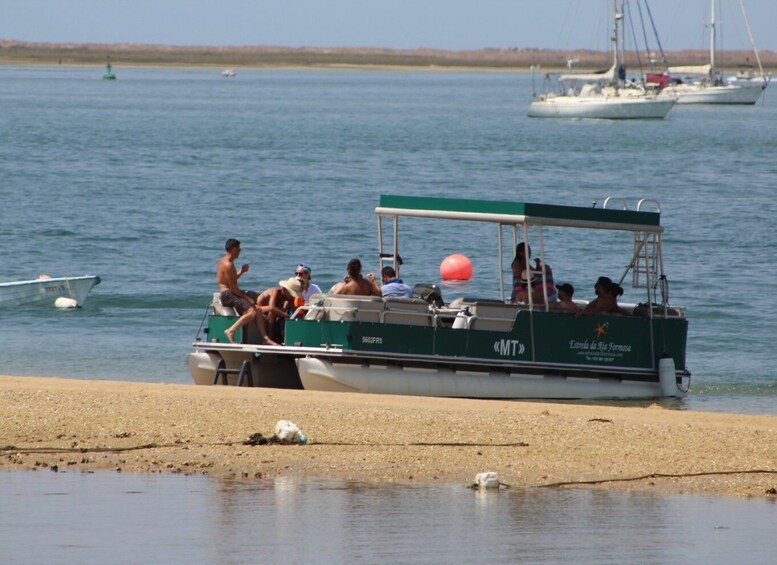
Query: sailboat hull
x=714, y=89
x=601, y=107
x=726, y=94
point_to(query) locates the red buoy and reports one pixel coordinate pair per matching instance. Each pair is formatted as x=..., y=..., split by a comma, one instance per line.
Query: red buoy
x=456, y=267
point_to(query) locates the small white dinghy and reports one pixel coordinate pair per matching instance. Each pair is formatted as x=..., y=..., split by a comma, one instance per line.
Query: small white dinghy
x=62, y=292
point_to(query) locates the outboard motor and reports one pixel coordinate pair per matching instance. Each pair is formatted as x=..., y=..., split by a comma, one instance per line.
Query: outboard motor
x=428, y=293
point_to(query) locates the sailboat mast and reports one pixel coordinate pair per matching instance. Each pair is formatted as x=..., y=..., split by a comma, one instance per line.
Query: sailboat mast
x=712, y=35
x=615, y=34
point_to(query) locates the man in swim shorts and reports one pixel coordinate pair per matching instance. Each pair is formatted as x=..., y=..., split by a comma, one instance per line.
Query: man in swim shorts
x=231, y=295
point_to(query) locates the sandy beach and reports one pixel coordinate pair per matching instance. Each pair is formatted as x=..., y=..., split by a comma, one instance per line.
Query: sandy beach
x=78, y=425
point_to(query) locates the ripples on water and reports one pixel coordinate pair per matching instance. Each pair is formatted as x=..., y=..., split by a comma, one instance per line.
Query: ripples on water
x=142, y=180
x=112, y=518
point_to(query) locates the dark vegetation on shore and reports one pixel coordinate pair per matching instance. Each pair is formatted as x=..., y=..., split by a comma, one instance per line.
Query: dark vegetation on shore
x=18, y=52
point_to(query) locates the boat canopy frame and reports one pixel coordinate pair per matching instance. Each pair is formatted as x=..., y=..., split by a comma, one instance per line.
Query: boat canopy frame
x=518, y=217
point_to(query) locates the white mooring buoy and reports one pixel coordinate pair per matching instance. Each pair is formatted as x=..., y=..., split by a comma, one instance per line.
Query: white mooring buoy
x=65, y=302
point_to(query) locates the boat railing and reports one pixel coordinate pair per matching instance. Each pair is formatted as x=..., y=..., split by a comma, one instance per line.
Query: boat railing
x=616, y=199
x=481, y=315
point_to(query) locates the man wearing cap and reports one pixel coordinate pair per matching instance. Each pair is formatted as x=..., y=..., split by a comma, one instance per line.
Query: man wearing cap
x=565, y=304
x=303, y=272
x=392, y=286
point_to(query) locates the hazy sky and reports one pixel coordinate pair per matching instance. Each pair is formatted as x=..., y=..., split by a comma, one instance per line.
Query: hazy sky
x=400, y=24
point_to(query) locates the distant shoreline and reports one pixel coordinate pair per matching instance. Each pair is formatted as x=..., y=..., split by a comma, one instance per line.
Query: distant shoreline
x=269, y=57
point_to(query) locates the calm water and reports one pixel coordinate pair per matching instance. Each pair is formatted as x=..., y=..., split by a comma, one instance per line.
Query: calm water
x=142, y=180
x=109, y=518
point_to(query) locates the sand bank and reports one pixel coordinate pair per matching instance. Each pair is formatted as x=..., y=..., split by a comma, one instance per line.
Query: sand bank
x=63, y=424
x=123, y=55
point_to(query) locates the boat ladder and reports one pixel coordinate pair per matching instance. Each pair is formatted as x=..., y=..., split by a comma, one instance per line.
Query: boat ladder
x=244, y=372
x=646, y=259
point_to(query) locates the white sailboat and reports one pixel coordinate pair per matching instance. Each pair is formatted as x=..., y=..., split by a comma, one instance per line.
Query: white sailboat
x=704, y=84
x=602, y=95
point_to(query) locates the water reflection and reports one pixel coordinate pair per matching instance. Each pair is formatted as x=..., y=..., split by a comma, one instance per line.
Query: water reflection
x=112, y=518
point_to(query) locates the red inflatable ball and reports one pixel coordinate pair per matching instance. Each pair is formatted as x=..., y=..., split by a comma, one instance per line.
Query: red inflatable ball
x=456, y=268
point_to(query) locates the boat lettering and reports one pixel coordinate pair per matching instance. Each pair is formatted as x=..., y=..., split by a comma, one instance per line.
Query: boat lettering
x=599, y=346
x=57, y=288
x=509, y=347
x=375, y=340
x=599, y=351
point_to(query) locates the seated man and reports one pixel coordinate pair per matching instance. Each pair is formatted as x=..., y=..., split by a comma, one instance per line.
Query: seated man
x=232, y=296
x=392, y=286
x=565, y=304
x=605, y=302
x=304, y=273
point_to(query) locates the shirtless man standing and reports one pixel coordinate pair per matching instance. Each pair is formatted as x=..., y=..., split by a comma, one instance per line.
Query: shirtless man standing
x=231, y=295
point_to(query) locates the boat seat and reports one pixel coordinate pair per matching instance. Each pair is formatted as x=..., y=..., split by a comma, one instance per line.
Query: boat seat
x=461, y=302
x=346, y=308
x=642, y=310
x=315, y=298
x=220, y=310
x=406, y=311
x=494, y=316
x=490, y=315
x=316, y=310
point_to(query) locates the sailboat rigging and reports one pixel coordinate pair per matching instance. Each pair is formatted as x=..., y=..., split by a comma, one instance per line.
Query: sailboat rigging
x=704, y=84
x=606, y=94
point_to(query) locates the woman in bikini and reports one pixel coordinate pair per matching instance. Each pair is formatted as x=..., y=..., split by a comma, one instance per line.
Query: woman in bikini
x=276, y=302
x=524, y=277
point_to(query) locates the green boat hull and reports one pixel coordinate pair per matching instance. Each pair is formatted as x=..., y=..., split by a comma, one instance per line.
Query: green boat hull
x=600, y=343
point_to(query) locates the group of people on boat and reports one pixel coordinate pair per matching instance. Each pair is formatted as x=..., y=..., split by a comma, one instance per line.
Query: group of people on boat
x=535, y=284
x=354, y=283
x=268, y=309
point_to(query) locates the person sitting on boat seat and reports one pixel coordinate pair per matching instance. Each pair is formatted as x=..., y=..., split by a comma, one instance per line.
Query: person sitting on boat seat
x=565, y=304
x=356, y=284
x=278, y=301
x=232, y=296
x=393, y=286
x=605, y=302
x=525, y=278
x=616, y=291
x=303, y=272
x=338, y=285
